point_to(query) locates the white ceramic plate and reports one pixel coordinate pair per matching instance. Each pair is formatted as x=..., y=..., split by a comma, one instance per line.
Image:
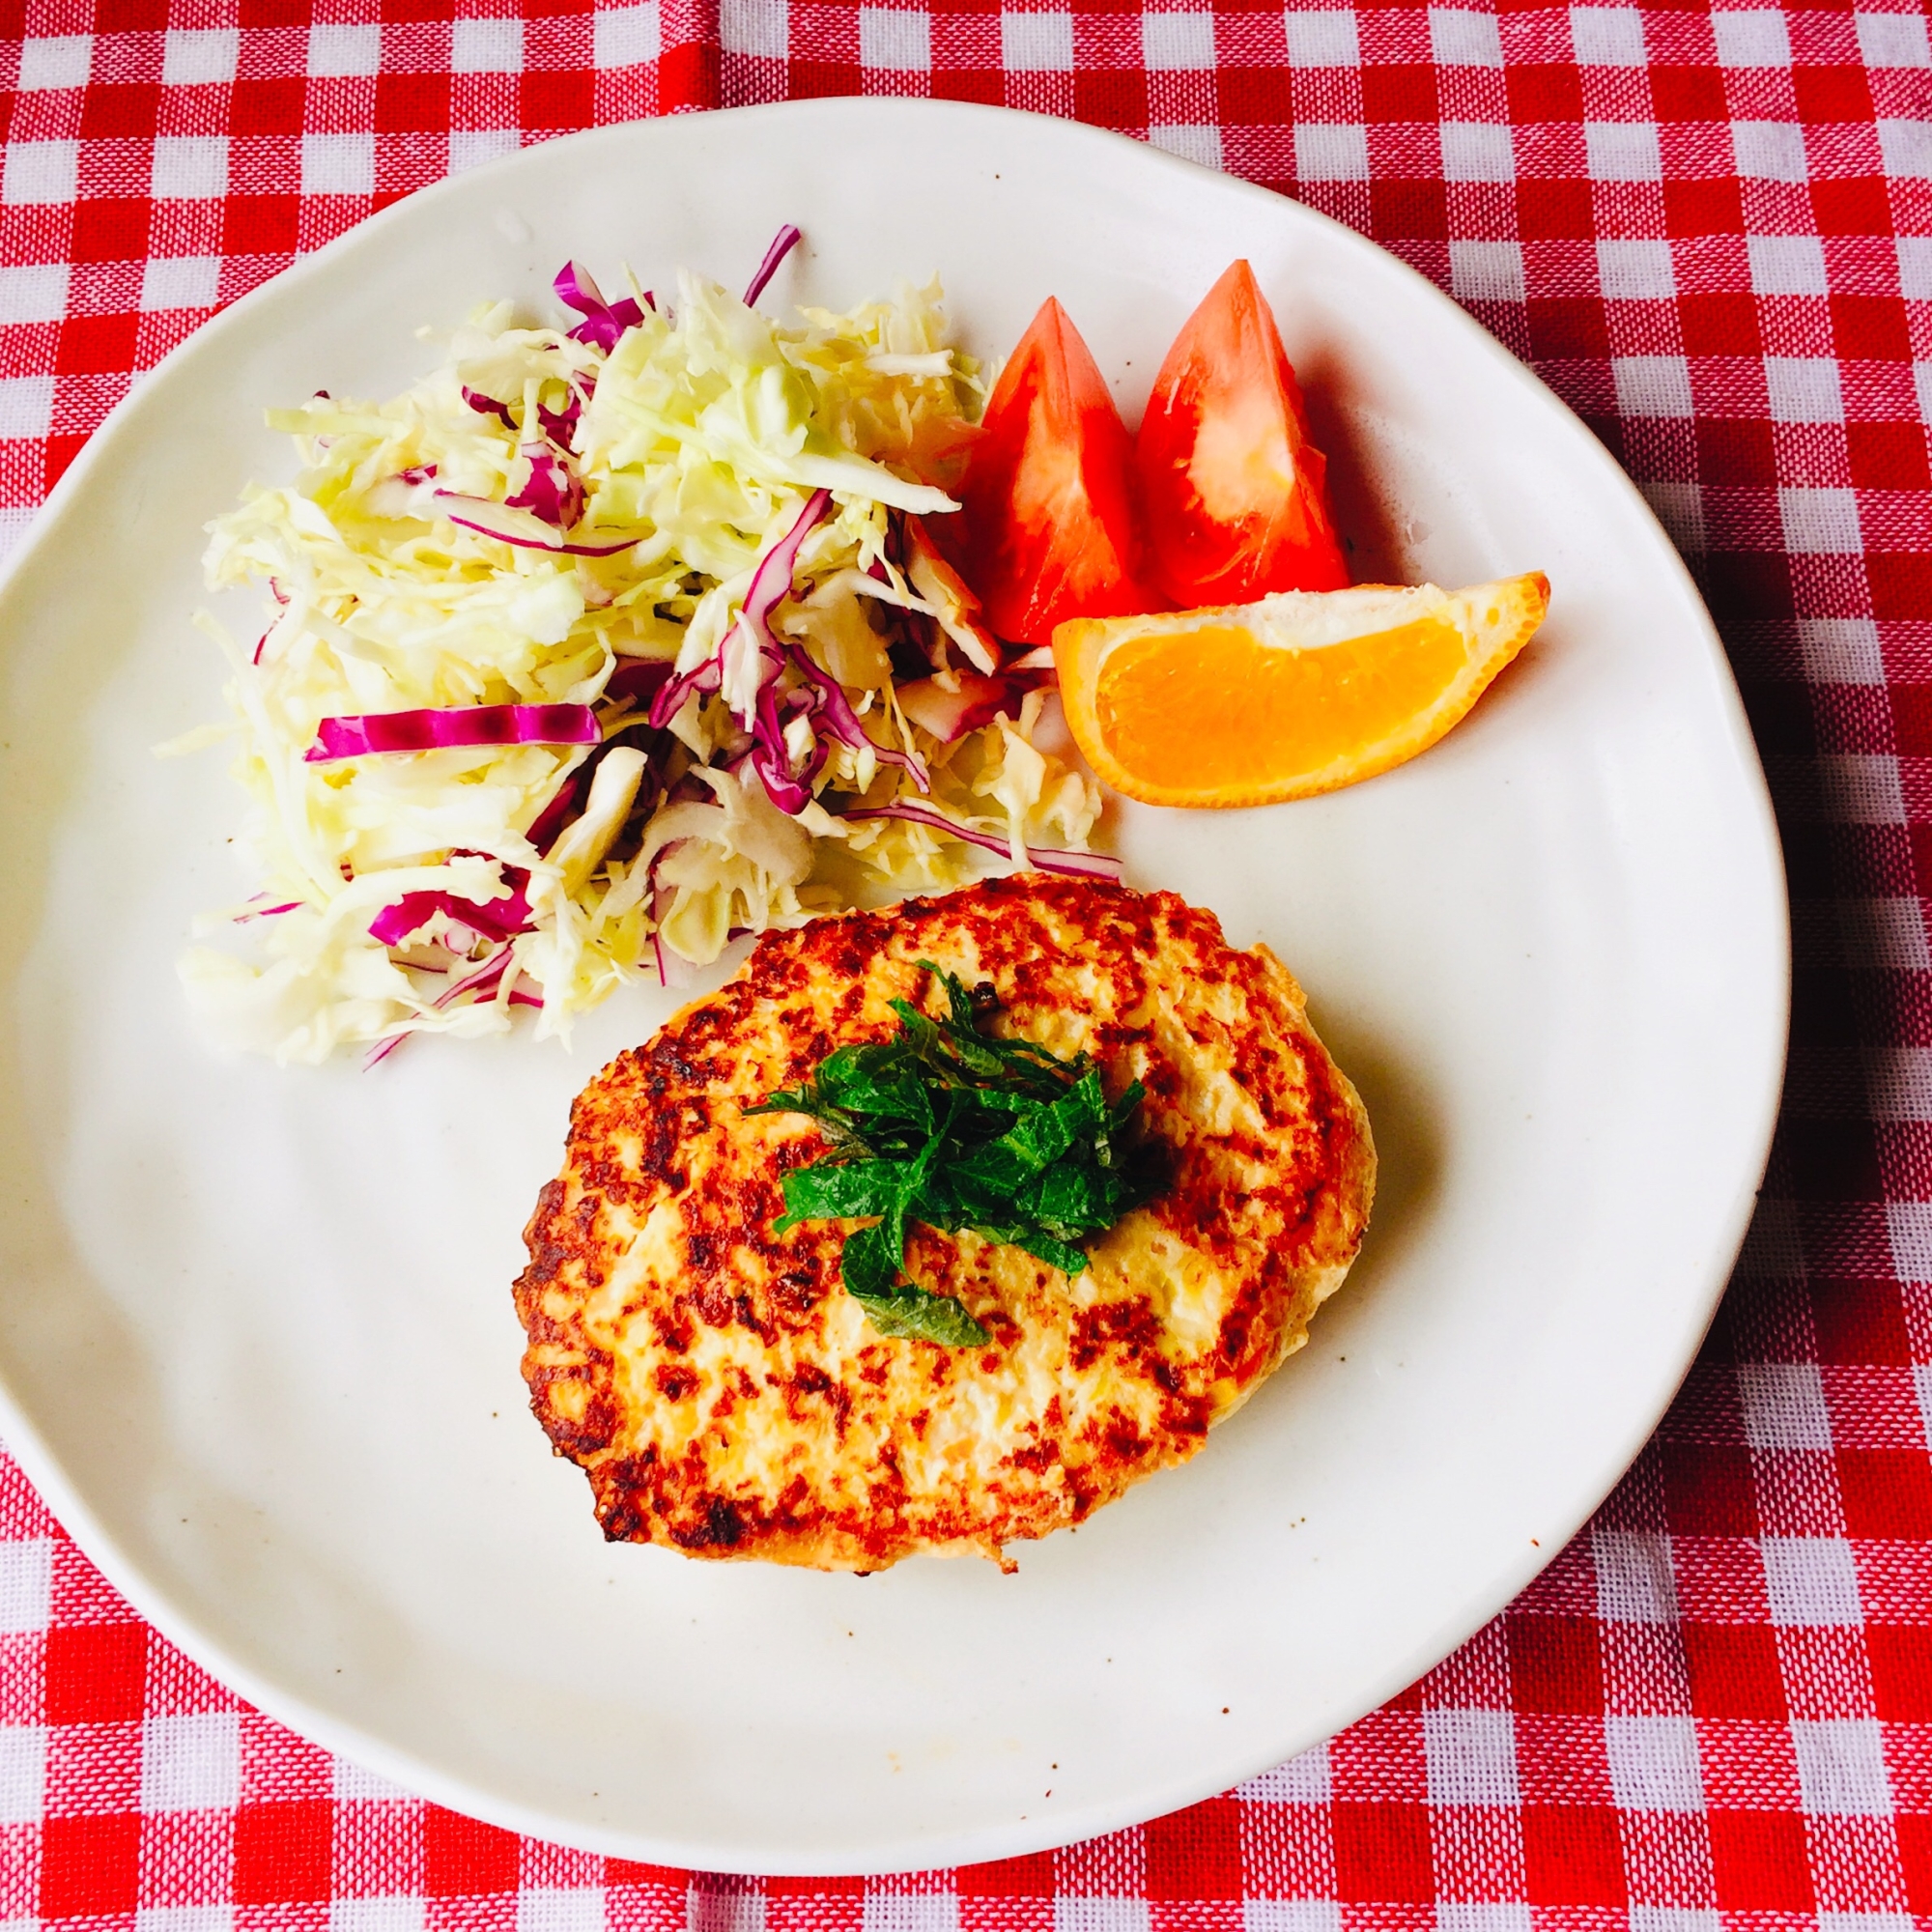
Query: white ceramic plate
x=256, y=1333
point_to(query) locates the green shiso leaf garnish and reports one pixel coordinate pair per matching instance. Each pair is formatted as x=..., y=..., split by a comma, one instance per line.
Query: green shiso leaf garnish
x=945, y=1124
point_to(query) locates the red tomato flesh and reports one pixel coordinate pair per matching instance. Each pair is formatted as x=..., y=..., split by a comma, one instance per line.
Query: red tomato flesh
x=1235, y=496
x=1049, y=526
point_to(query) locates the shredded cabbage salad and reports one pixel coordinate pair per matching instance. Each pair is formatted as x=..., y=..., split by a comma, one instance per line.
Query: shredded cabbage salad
x=605, y=644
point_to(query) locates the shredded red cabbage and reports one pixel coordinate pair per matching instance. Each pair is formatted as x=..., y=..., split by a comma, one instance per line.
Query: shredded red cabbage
x=823, y=696
x=603, y=322
x=784, y=243
x=571, y=795
x=493, y=919
x=482, y=980
x=836, y=710
x=552, y=819
x=560, y=425
x=1041, y=858
x=554, y=490
x=770, y=586
x=434, y=731
x=468, y=520
x=489, y=406
x=637, y=679
x=380, y=1051
x=771, y=756
x=673, y=967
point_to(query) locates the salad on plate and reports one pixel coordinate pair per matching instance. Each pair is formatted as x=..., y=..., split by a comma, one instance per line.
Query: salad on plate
x=605, y=643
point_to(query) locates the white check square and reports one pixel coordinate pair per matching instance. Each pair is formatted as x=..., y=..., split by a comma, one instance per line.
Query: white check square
x=1810, y=1580
x=1606, y=36
x=1623, y=151
x=1460, y=37
x=1636, y=271
x=1654, y=1763
x=1326, y=38
x=1471, y=1757
x=1477, y=150
x=1893, y=39
x=1787, y=265
x=1653, y=385
x=895, y=40
x=1841, y=1768
x=486, y=46
x=1754, y=38
x=337, y=50
x=1037, y=43
x=627, y=36
x=1331, y=150
x=1178, y=43
x=61, y=61
x=40, y=174
x=37, y=292
x=199, y=56
x=191, y=1763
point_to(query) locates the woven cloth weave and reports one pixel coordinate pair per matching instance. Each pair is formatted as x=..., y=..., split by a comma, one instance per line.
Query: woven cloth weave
x=1709, y=230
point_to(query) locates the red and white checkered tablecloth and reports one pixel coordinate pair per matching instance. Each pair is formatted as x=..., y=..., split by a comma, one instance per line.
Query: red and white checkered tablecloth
x=1710, y=229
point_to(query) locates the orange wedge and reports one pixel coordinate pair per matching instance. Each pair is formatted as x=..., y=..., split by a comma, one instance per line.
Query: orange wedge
x=1298, y=694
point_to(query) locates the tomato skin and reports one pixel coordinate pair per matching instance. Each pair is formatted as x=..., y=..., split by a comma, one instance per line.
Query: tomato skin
x=1235, y=496
x=1049, y=526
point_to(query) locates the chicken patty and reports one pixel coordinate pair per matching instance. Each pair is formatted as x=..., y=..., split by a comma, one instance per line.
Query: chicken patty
x=728, y=1399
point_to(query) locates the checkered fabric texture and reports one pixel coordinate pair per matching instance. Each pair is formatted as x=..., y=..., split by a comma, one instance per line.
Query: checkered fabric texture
x=1710, y=229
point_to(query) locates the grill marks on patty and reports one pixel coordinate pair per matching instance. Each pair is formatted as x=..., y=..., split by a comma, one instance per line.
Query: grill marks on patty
x=726, y=1397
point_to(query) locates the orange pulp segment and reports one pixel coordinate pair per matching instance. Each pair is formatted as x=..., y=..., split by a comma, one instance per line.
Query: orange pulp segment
x=1298, y=694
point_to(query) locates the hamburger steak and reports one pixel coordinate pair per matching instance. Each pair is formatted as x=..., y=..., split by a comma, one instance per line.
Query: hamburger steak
x=728, y=1397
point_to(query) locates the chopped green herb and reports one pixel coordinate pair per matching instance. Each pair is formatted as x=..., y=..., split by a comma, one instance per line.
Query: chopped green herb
x=945, y=1124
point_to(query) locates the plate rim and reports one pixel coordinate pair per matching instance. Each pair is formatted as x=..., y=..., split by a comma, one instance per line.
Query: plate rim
x=344, y=1738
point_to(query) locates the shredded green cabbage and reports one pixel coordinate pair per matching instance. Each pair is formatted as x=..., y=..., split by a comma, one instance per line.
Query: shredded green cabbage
x=403, y=575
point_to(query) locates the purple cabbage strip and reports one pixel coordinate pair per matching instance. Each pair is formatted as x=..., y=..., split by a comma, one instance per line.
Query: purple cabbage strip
x=603, y=322
x=493, y=919
x=446, y=730
x=769, y=586
x=571, y=796
x=674, y=969
x=380, y=1051
x=523, y=542
x=489, y=406
x=637, y=679
x=482, y=980
x=784, y=243
x=554, y=492
x=560, y=425
x=557, y=814
x=1041, y=858
x=771, y=757
x=704, y=680
x=844, y=721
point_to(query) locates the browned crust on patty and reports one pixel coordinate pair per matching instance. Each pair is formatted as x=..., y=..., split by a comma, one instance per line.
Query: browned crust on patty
x=728, y=1399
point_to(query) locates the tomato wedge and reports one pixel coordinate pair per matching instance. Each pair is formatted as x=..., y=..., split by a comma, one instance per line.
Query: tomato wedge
x=1050, y=529
x=1235, y=496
